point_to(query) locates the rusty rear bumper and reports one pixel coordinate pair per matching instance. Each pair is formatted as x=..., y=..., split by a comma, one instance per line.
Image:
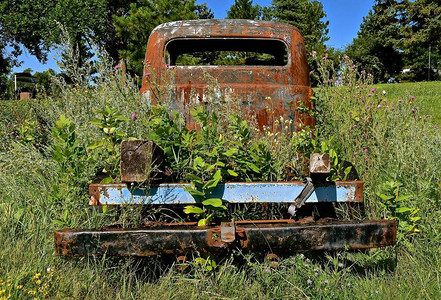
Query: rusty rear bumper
x=276, y=237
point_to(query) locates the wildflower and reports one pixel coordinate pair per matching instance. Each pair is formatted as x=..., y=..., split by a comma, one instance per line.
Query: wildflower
x=367, y=107
x=350, y=114
x=355, y=126
x=116, y=67
x=369, y=75
x=427, y=116
x=369, y=95
x=365, y=150
x=349, y=284
x=352, y=131
x=363, y=72
x=367, y=159
x=383, y=92
x=436, y=127
x=48, y=269
x=326, y=281
x=379, y=106
x=412, y=97
x=373, y=90
x=309, y=281
x=133, y=116
x=324, y=58
x=316, y=273
x=400, y=101
x=37, y=145
x=147, y=74
x=376, y=292
x=302, y=256
x=413, y=109
x=306, y=265
x=340, y=265
x=38, y=282
x=308, y=260
x=313, y=53
x=354, y=66
x=13, y=132
x=414, y=115
x=267, y=270
x=392, y=108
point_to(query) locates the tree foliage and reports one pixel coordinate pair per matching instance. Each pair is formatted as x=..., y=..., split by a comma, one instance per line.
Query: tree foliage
x=397, y=34
x=306, y=15
x=135, y=27
x=244, y=9
x=38, y=25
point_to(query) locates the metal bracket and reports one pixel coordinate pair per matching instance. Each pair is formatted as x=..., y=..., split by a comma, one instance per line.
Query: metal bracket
x=302, y=197
x=228, y=232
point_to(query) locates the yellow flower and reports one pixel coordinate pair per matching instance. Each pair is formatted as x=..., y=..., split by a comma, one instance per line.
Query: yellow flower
x=38, y=282
x=2, y=292
x=36, y=276
x=19, y=287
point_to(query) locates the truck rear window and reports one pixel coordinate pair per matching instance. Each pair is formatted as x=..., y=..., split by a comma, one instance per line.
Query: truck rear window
x=226, y=51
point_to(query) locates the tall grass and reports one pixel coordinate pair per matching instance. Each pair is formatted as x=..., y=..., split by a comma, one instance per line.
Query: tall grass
x=386, y=144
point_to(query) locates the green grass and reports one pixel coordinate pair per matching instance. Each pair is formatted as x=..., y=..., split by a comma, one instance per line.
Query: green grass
x=33, y=193
x=428, y=93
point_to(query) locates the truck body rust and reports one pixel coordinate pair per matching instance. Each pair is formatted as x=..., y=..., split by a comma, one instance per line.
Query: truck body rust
x=268, y=89
x=271, y=80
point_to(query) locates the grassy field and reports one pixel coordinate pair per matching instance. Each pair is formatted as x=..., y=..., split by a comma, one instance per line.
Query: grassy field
x=39, y=195
x=427, y=92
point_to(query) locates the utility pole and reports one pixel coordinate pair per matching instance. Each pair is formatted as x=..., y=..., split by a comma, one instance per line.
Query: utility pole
x=428, y=72
x=15, y=86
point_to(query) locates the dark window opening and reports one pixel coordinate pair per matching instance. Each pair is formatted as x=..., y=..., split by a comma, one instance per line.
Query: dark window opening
x=223, y=52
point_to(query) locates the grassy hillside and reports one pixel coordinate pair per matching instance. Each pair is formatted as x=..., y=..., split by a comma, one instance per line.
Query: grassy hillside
x=42, y=190
x=429, y=94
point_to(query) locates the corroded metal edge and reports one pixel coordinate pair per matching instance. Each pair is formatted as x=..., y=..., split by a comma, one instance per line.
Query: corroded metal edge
x=255, y=237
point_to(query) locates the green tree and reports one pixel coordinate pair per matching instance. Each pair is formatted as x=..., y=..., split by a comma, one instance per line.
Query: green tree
x=421, y=34
x=44, y=80
x=374, y=49
x=307, y=16
x=244, y=9
x=398, y=34
x=142, y=18
x=203, y=11
x=6, y=64
x=38, y=25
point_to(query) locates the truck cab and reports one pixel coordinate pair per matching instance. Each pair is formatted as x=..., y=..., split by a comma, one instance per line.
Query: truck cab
x=262, y=63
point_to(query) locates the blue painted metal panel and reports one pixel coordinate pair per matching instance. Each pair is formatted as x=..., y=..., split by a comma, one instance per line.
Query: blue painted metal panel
x=242, y=192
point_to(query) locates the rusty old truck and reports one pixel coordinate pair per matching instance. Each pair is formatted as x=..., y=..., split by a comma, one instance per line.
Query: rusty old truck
x=272, y=71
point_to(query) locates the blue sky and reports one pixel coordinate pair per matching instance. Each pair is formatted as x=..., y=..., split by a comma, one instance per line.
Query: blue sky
x=345, y=17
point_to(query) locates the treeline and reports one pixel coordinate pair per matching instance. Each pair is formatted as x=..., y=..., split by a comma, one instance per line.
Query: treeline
x=396, y=35
x=401, y=39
